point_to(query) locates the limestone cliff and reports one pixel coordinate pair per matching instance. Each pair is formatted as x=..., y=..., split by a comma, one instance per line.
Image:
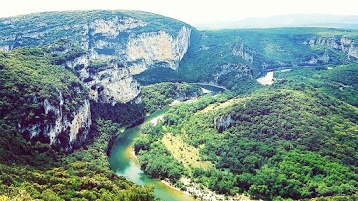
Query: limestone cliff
x=57, y=125
x=114, y=84
x=223, y=122
x=67, y=130
x=344, y=44
x=244, y=52
x=104, y=49
x=157, y=49
x=44, y=102
x=136, y=39
x=236, y=70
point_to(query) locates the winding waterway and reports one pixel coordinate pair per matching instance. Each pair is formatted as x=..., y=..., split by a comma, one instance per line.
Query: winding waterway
x=123, y=162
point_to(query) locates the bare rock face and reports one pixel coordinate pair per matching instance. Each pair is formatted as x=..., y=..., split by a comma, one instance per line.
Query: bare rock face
x=244, y=52
x=114, y=84
x=62, y=128
x=158, y=48
x=224, y=122
x=236, y=69
x=131, y=39
x=104, y=49
x=324, y=58
x=343, y=44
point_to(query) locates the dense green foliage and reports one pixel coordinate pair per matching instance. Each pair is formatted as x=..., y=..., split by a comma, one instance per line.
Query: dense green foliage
x=84, y=174
x=157, y=96
x=64, y=50
x=340, y=82
x=124, y=114
x=269, y=48
x=27, y=74
x=34, y=170
x=157, y=75
x=28, y=81
x=284, y=46
x=208, y=51
x=296, y=139
x=147, y=148
x=290, y=140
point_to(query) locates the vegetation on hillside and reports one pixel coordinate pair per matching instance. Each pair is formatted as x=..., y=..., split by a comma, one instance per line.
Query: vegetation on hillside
x=156, y=96
x=291, y=140
x=82, y=175
x=36, y=170
x=28, y=81
x=296, y=139
x=269, y=48
x=340, y=81
x=70, y=24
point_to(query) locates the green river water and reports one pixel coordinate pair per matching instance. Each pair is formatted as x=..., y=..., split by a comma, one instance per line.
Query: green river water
x=123, y=162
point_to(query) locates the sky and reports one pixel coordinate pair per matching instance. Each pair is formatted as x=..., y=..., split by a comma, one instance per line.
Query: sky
x=191, y=11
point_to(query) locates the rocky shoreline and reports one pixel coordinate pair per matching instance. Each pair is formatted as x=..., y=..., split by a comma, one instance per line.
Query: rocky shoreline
x=194, y=190
x=205, y=194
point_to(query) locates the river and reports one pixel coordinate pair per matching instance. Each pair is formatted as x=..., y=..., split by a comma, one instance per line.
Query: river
x=123, y=162
x=268, y=79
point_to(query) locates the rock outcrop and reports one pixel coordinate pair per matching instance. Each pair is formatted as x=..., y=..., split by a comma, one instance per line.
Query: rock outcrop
x=104, y=49
x=128, y=39
x=157, y=49
x=58, y=126
x=223, y=122
x=112, y=85
x=319, y=59
x=343, y=44
x=244, y=52
x=236, y=70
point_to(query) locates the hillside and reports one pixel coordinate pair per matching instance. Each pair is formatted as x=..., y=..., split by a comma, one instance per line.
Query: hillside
x=44, y=102
x=71, y=82
x=226, y=56
x=290, y=140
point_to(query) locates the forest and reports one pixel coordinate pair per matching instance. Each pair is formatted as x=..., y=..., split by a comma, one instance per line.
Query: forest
x=291, y=140
x=296, y=139
x=35, y=170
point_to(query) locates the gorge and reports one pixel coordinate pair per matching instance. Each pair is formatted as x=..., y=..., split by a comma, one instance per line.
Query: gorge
x=73, y=81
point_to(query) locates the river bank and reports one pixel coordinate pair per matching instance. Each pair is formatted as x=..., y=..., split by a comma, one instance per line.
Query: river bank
x=268, y=79
x=189, y=188
x=192, y=189
x=204, y=194
x=124, y=162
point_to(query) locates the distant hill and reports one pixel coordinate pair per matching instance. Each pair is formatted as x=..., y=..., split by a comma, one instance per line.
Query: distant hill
x=296, y=20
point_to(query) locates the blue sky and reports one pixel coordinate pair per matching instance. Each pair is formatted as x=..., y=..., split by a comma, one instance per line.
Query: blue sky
x=191, y=11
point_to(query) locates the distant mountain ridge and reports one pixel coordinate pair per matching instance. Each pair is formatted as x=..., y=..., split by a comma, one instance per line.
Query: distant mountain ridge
x=294, y=20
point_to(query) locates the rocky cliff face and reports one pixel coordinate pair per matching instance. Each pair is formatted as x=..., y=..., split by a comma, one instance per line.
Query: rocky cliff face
x=157, y=49
x=343, y=44
x=114, y=84
x=244, y=53
x=223, y=122
x=46, y=103
x=61, y=128
x=236, y=70
x=104, y=49
x=133, y=39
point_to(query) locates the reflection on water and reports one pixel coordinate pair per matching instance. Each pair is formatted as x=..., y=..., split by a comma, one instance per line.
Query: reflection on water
x=132, y=173
x=124, y=164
